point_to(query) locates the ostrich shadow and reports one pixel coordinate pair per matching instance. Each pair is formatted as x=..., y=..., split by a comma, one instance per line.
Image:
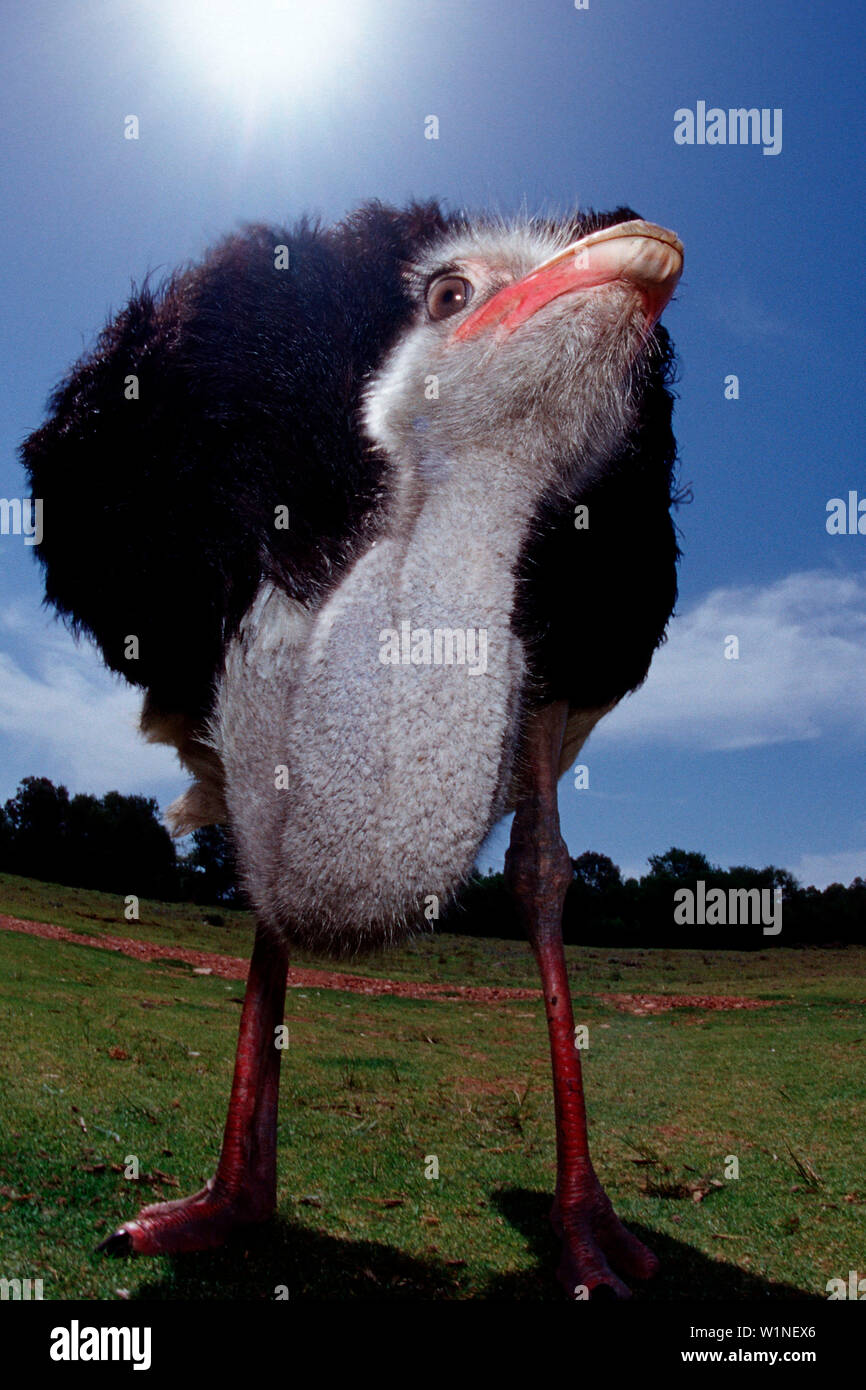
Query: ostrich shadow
x=685, y=1273
x=286, y=1256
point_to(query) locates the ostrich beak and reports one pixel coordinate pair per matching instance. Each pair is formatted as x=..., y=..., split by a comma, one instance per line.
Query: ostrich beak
x=639, y=253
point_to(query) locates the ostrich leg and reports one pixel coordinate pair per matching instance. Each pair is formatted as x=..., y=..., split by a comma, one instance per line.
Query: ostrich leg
x=244, y=1187
x=537, y=867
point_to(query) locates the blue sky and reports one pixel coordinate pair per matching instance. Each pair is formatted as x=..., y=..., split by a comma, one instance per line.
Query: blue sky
x=540, y=105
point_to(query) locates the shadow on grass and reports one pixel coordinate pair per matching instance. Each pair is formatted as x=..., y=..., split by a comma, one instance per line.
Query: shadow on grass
x=685, y=1273
x=308, y=1264
x=311, y=1265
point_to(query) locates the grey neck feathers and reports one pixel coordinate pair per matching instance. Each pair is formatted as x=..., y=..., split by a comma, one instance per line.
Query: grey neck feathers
x=392, y=714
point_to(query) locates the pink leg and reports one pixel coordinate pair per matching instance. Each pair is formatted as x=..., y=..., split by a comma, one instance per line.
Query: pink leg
x=244, y=1188
x=594, y=1240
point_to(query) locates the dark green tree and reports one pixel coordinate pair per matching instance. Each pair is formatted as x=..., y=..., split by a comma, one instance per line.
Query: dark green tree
x=139, y=856
x=596, y=872
x=7, y=841
x=680, y=866
x=38, y=817
x=210, y=872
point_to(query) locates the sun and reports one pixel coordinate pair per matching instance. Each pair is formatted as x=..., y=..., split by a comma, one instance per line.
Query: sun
x=256, y=50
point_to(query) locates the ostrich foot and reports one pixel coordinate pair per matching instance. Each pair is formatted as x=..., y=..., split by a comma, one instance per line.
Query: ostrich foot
x=594, y=1244
x=244, y=1189
x=201, y=1222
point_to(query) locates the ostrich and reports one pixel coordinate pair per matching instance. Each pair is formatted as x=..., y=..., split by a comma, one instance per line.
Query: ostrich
x=386, y=505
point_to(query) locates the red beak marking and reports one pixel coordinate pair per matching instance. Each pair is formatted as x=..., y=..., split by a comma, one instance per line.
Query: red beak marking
x=639, y=253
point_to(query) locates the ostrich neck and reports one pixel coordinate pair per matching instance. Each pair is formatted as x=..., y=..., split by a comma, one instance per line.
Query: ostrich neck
x=487, y=499
x=399, y=729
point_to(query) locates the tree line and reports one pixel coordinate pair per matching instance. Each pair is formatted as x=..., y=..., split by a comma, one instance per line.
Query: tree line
x=117, y=844
x=603, y=909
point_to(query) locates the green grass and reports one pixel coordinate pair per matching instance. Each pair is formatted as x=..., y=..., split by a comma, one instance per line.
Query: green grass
x=371, y=1086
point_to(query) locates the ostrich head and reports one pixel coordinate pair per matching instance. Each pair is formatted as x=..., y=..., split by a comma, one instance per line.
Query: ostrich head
x=526, y=349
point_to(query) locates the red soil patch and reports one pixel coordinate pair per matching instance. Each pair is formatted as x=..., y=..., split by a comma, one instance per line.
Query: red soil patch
x=234, y=968
x=660, y=1003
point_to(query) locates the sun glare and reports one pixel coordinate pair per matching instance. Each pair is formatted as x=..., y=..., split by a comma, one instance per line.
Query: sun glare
x=257, y=50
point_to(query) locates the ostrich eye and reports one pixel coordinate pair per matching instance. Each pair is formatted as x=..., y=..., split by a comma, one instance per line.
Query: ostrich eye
x=447, y=296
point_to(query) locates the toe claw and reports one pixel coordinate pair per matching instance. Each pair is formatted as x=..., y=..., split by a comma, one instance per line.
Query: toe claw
x=118, y=1245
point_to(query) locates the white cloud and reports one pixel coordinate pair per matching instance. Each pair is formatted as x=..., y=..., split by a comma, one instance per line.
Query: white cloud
x=821, y=869
x=64, y=716
x=801, y=672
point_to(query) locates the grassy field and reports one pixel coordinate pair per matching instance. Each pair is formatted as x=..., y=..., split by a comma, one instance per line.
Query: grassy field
x=103, y=1057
